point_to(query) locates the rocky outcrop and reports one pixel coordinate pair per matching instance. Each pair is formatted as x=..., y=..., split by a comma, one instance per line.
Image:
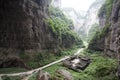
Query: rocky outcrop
x=63, y=74
x=43, y=76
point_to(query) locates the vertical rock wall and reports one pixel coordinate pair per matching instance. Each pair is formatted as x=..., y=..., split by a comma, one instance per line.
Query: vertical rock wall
x=22, y=25
x=113, y=36
x=109, y=42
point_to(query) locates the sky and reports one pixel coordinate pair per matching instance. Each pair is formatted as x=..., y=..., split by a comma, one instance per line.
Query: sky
x=77, y=4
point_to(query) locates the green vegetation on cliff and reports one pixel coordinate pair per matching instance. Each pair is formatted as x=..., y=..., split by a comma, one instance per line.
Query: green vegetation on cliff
x=62, y=28
x=106, y=9
x=105, y=13
x=92, y=31
x=67, y=39
x=98, y=38
x=63, y=41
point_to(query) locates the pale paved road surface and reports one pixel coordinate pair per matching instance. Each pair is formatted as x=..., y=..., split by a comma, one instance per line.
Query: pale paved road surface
x=78, y=52
x=38, y=69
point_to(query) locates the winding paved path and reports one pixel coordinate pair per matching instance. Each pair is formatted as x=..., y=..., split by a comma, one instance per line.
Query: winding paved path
x=38, y=69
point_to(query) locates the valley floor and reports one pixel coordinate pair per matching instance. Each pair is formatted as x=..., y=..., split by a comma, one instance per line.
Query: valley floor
x=101, y=68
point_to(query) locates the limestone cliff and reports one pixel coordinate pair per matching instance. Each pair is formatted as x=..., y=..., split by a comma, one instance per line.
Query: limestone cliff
x=90, y=20
x=78, y=17
x=25, y=28
x=22, y=24
x=108, y=39
x=112, y=40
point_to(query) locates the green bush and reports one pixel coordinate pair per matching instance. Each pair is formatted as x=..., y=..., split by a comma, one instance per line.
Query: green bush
x=102, y=68
x=23, y=55
x=6, y=78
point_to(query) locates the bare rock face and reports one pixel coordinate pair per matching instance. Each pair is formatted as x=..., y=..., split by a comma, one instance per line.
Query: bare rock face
x=67, y=75
x=115, y=33
x=22, y=25
x=43, y=76
x=112, y=38
x=108, y=41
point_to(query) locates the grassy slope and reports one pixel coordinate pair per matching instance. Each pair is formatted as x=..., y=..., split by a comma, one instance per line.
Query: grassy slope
x=101, y=68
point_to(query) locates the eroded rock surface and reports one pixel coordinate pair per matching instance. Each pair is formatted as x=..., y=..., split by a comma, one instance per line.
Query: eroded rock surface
x=107, y=42
x=43, y=76
x=22, y=24
x=66, y=75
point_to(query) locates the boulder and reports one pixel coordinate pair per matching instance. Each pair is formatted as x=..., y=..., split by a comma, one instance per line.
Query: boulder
x=12, y=62
x=43, y=76
x=66, y=75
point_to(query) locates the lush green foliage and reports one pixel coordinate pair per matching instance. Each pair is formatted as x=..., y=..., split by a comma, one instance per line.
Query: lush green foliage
x=62, y=28
x=11, y=78
x=101, y=68
x=33, y=77
x=102, y=33
x=98, y=36
x=105, y=12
